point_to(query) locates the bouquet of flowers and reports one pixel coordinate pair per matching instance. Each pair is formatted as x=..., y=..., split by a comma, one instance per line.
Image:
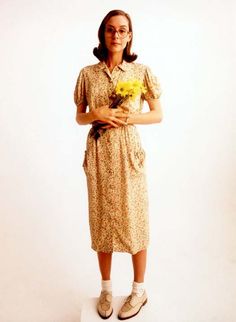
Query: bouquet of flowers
x=124, y=90
x=127, y=90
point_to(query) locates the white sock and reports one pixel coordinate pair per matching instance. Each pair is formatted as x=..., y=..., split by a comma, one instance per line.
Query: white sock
x=138, y=288
x=106, y=285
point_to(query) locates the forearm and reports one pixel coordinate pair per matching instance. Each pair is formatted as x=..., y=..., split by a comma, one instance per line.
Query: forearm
x=145, y=118
x=102, y=115
x=85, y=118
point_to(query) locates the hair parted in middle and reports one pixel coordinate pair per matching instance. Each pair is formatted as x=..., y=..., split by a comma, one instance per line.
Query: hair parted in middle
x=101, y=51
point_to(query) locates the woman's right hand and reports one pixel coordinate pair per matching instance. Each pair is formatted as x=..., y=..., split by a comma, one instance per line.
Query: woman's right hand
x=111, y=116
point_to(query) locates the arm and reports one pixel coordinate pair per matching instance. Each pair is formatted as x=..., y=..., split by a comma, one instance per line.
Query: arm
x=155, y=115
x=103, y=114
x=82, y=117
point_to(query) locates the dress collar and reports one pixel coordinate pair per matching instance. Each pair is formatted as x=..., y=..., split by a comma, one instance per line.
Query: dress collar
x=123, y=66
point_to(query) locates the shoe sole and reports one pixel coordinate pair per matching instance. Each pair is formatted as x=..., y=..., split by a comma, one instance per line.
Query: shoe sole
x=129, y=317
x=105, y=317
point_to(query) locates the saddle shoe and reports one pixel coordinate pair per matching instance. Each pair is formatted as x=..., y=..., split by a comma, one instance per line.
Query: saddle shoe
x=132, y=306
x=104, y=305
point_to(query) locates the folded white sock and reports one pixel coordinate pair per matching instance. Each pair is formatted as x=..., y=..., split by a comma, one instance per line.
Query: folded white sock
x=106, y=285
x=138, y=288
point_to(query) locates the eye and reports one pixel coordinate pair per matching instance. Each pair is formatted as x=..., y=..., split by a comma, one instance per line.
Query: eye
x=123, y=32
x=110, y=29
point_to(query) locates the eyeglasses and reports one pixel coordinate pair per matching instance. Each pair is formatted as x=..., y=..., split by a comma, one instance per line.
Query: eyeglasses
x=122, y=32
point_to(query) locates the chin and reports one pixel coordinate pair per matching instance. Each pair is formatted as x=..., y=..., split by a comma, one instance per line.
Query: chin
x=115, y=50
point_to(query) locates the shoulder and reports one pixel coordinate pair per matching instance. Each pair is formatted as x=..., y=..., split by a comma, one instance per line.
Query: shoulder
x=139, y=67
x=89, y=69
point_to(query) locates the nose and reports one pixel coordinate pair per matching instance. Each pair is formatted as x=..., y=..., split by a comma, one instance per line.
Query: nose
x=115, y=34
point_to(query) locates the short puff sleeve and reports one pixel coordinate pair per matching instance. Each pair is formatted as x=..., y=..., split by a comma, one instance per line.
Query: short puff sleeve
x=80, y=90
x=152, y=84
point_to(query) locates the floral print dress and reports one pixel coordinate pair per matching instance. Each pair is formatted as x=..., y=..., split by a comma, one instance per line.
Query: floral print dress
x=114, y=164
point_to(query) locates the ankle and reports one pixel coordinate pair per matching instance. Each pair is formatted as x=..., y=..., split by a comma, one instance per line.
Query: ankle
x=106, y=285
x=138, y=288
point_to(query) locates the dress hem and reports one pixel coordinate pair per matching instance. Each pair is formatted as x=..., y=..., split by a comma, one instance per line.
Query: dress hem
x=119, y=250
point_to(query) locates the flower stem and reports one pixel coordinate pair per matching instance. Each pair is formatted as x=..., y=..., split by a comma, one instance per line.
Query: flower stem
x=118, y=101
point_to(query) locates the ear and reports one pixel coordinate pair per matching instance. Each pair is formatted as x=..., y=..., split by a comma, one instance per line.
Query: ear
x=130, y=36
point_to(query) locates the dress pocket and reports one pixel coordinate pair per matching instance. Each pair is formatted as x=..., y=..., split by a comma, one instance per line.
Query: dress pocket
x=137, y=160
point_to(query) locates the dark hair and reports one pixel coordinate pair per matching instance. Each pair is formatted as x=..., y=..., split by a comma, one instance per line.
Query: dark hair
x=101, y=51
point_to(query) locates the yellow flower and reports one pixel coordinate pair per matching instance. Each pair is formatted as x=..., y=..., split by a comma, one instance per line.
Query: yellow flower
x=130, y=89
x=137, y=83
x=120, y=89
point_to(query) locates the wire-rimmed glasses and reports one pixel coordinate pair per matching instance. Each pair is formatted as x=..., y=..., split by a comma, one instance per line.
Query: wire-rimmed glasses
x=122, y=32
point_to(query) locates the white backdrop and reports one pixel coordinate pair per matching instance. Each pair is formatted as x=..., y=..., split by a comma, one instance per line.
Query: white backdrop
x=47, y=267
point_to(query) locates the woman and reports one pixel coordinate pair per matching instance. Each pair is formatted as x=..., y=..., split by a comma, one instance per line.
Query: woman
x=114, y=158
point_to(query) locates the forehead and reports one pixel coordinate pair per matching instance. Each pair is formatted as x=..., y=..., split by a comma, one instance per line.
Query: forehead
x=118, y=21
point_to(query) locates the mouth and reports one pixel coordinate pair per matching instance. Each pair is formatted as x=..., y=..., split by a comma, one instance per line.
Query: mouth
x=115, y=43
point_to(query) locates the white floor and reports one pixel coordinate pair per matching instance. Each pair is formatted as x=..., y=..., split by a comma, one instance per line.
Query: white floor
x=187, y=290
x=187, y=293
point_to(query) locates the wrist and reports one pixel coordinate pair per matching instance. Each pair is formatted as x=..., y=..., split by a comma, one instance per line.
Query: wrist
x=93, y=116
x=128, y=120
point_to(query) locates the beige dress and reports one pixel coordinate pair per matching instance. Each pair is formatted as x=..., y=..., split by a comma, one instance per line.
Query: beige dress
x=115, y=164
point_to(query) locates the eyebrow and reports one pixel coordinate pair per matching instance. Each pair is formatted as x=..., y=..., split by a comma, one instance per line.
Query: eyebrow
x=119, y=26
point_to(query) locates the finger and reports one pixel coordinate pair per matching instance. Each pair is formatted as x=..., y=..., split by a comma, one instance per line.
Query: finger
x=124, y=107
x=122, y=115
x=121, y=110
x=117, y=120
x=113, y=112
x=112, y=122
x=101, y=122
x=107, y=126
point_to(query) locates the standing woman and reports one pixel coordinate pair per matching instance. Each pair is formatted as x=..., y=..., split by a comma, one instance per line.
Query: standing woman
x=114, y=161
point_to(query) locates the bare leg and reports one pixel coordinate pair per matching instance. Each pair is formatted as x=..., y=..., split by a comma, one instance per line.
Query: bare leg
x=105, y=260
x=139, y=265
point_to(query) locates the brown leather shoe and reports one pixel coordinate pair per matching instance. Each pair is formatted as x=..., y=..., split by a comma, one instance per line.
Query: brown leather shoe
x=132, y=306
x=104, y=305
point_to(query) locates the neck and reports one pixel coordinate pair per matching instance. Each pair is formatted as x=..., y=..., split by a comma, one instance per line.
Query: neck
x=113, y=60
